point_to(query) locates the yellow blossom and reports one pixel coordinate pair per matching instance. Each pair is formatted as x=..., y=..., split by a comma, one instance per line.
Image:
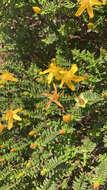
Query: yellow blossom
x=87, y=4
x=53, y=72
x=36, y=9
x=2, y=127
x=53, y=98
x=7, y=76
x=67, y=76
x=10, y=115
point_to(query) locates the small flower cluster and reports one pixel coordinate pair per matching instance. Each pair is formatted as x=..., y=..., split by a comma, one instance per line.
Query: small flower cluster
x=66, y=76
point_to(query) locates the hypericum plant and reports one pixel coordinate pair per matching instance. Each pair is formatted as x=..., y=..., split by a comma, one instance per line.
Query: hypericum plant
x=53, y=149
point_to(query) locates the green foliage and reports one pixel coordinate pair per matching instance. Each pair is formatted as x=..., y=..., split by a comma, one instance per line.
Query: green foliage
x=80, y=183
x=59, y=155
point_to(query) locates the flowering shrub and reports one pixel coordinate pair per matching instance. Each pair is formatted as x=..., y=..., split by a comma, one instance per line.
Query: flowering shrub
x=53, y=95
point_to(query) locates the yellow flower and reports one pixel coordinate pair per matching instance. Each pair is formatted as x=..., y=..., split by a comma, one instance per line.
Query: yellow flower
x=90, y=25
x=87, y=4
x=8, y=76
x=10, y=115
x=67, y=76
x=53, y=98
x=53, y=72
x=36, y=9
x=2, y=127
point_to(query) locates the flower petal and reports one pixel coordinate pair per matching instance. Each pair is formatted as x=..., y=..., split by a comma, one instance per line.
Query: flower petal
x=90, y=11
x=58, y=103
x=58, y=76
x=10, y=123
x=44, y=72
x=74, y=69
x=17, y=110
x=54, y=85
x=13, y=79
x=80, y=10
x=16, y=117
x=48, y=104
x=77, y=78
x=96, y=2
x=61, y=93
x=50, y=77
x=62, y=82
x=70, y=85
x=2, y=127
x=47, y=95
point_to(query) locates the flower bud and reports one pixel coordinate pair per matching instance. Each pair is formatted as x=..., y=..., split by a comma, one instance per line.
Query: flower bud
x=36, y=9
x=66, y=118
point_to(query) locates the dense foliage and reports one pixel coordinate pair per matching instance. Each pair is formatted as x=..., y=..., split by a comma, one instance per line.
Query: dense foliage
x=53, y=94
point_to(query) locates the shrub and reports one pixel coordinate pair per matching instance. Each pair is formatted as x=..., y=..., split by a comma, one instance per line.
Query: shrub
x=38, y=148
